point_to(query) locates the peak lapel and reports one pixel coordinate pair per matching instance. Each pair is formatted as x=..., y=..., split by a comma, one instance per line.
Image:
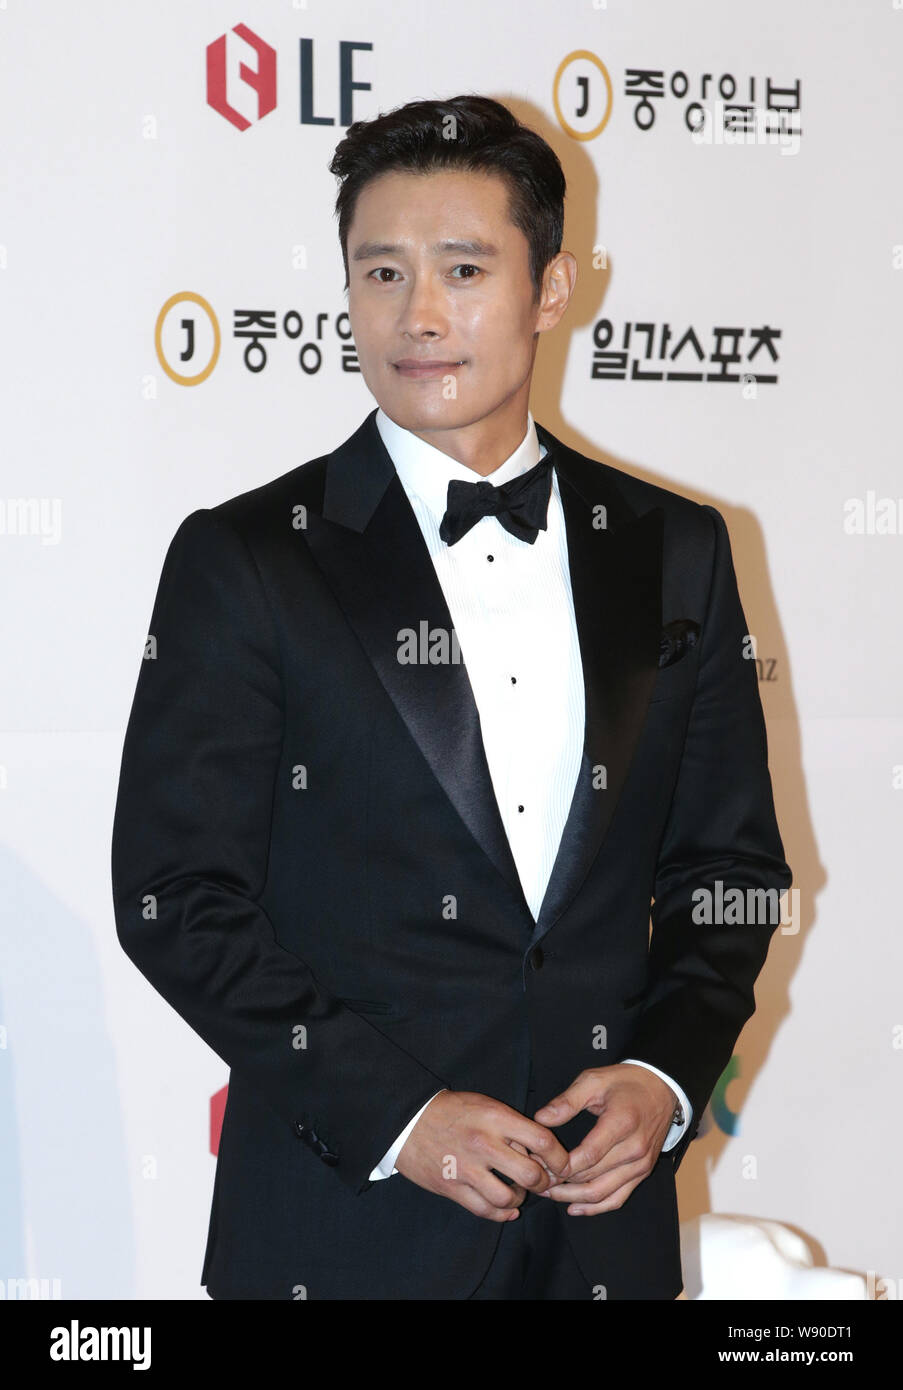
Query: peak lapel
x=616, y=574
x=371, y=551
x=370, y=548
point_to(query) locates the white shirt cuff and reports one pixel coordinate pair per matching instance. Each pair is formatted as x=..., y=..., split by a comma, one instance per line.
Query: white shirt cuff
x=386, y=1166
x=676, y=1132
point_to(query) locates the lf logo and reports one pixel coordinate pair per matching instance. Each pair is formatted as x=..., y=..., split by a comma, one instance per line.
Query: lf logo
x=223, y=57
x=261, y=79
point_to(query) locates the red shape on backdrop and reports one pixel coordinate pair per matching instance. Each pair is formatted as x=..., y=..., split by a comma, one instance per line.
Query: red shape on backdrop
x=262, y=80
x=217, y=1111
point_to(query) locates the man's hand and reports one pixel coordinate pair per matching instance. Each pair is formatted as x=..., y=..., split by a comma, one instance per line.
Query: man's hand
x=635, y=1108
x=462, y=1136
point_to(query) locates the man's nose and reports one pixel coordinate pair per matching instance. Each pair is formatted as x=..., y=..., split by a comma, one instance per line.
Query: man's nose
x=424, y=311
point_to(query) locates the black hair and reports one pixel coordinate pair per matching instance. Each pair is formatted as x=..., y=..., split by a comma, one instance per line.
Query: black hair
x=467, y=132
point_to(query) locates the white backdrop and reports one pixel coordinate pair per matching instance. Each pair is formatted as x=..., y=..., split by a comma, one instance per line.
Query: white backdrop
x=122, y=186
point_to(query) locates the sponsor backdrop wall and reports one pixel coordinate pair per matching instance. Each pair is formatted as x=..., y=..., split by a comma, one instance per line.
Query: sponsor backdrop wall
x=174, y=332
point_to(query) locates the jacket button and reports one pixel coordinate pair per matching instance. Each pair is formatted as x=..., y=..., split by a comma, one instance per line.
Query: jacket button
x=536, y=958
x=316, y=1144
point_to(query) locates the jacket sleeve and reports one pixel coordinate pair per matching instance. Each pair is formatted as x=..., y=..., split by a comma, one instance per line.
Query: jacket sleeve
x=190, y=851
x=721, y=834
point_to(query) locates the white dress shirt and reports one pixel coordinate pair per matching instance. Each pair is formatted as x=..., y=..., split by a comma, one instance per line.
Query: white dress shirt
x=513, y=611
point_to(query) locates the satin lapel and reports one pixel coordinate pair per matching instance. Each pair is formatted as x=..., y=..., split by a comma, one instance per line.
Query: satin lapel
x=371, y=551
x=616, y=577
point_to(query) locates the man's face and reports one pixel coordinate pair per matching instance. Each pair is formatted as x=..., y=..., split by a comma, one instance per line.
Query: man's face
x=413, y=296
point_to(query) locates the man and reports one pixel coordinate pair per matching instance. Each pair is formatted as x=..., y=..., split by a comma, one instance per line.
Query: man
x=430, y=722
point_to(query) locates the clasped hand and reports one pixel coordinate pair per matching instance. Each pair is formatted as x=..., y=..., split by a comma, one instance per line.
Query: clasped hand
x=634, y=1109
x=485, y=1155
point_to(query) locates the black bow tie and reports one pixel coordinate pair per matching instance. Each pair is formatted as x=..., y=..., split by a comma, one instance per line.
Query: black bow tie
x=521, y=506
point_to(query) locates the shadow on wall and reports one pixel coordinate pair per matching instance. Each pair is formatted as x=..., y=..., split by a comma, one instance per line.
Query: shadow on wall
x=65, y=1203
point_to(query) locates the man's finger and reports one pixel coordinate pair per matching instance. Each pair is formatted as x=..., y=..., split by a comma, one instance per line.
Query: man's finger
x=601, y=1187
x=618, y=1154
x=539, y=1141
x=611, y=1203
x=508, y=1166
x=469, y=1198
x=608, y=1134
x=490, y=1184
x=520, y=1152
x=569, y=1102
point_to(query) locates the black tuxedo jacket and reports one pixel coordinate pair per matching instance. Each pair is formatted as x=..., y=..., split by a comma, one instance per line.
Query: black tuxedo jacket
x=309, y=864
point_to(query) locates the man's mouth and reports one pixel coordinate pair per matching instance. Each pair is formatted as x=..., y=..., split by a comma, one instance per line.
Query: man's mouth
x=424, y=368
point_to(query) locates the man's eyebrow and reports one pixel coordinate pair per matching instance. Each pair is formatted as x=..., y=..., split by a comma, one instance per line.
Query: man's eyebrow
x=369, y=250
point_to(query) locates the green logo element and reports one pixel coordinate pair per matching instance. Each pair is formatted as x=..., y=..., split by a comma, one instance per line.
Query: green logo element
x=723, y=1115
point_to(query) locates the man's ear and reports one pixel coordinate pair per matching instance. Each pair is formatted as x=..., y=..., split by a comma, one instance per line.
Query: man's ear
x=558, y=282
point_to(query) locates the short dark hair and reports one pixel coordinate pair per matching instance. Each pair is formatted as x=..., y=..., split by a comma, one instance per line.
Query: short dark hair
x=485, y=136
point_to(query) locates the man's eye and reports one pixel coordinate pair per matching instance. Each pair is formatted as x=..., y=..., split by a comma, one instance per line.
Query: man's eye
x=387, y=270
